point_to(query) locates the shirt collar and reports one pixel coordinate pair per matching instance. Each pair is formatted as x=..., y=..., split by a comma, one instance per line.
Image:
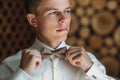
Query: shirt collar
x=38, y=45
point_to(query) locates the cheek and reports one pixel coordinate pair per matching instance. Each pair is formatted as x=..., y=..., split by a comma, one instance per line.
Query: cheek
x=45, y=29
x=69, y=20
x=43, y=32
x=49, y=21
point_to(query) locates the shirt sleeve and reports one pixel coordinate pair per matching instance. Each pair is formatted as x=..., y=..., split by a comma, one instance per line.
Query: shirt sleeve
x=20, y=75
x=7, y=74
x=9, y=69
x=97, y=71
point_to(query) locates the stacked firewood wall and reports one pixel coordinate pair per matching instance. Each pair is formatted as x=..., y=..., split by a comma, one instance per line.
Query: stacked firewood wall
x=15, y=33
x=95, y=25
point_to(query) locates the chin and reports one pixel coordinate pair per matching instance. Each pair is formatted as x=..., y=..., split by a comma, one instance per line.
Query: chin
x=63, y=38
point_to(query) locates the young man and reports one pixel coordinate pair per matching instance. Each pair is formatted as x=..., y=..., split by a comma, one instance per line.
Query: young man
x=51, y=20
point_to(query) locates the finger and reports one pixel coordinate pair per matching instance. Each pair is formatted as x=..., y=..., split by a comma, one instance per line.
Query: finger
x=76, y=47
x=72, y=52
x=72, y=49
x=34, y=52
x=24, y=56
x=24, y=52
x=68, y=52
x=75, y=55
x=38, y=62
x=83, y=50
x=76, y=60
x=34, y=59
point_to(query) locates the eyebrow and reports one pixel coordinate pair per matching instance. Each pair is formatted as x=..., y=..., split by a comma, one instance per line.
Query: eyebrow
x=48, y=9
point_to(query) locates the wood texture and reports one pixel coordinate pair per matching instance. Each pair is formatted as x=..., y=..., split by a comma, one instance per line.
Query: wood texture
x=98, y=4
x=73, y=4
x=117, y=36
x=85, y=21
x=90, y=11
x=118, y=13
x=112, y=66
x=95, y=41
x=83, y=3
x=113, y=51
x=79, y=11
x=112, y=5
x=103, y=23
x=109, y=41
x=84, y=32
x=73, y=25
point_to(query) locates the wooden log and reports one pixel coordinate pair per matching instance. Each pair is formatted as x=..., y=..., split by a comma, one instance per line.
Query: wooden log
x=98, y=4
x=92, y=51
x=73, y=3
x=71, y=40
x=73, y=25
x=103, y=51
x=79, y=11
x=117, y=36
x=103, y=23
x=90, y=11
x=80, y=42
x=3, y=21
x=109, y=41
x=118, y=1
x=89, y=49
x=118, y=13
x=95, y=41
x=112, y=66
x=84, y=32
x=112, y=5
x=85, y=21
x=83, y=3
x=113, y=51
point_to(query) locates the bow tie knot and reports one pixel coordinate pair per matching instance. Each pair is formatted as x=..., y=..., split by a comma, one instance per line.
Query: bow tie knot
x=58, y=52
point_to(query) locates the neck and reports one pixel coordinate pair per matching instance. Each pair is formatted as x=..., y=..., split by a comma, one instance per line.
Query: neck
x=53, y=44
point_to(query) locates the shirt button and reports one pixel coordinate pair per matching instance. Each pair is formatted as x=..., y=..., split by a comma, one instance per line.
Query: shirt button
x=94, y=76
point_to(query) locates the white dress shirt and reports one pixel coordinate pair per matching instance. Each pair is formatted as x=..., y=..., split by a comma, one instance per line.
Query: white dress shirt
x=52, y=68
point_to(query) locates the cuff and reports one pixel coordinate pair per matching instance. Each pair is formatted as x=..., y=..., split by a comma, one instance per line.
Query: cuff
x=96, y=73
x=20, y=75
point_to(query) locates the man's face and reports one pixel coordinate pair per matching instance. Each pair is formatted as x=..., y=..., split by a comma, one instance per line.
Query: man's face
x=53, y=20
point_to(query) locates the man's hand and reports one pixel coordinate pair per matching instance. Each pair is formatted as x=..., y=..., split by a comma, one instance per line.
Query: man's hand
x=77, y=56
x=31, y=59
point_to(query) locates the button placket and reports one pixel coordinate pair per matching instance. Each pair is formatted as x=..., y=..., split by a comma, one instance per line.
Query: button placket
x=55, y=68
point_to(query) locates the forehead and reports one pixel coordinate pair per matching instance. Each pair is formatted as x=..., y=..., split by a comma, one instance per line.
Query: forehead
x=59, y=4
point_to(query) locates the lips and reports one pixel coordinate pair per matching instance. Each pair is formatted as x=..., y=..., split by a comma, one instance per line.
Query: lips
x=63, y=29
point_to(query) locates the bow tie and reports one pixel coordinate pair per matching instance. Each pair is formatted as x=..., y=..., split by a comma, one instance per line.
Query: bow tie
x=58, y=52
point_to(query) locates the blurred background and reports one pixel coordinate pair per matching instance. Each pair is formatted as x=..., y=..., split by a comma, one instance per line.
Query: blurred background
x=95, y=25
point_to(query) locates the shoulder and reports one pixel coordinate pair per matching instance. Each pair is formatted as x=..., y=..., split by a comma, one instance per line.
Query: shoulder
x=9, y=65
x=13, y=57
x=12, y=62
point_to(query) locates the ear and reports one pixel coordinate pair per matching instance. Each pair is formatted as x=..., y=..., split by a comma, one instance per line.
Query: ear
x=32, y=20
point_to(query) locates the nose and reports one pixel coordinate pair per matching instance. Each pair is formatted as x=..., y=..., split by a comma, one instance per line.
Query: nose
x=62, y=18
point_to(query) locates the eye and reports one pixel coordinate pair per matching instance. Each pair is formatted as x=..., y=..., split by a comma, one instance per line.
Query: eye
x=68, y=11
x=53, y=13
